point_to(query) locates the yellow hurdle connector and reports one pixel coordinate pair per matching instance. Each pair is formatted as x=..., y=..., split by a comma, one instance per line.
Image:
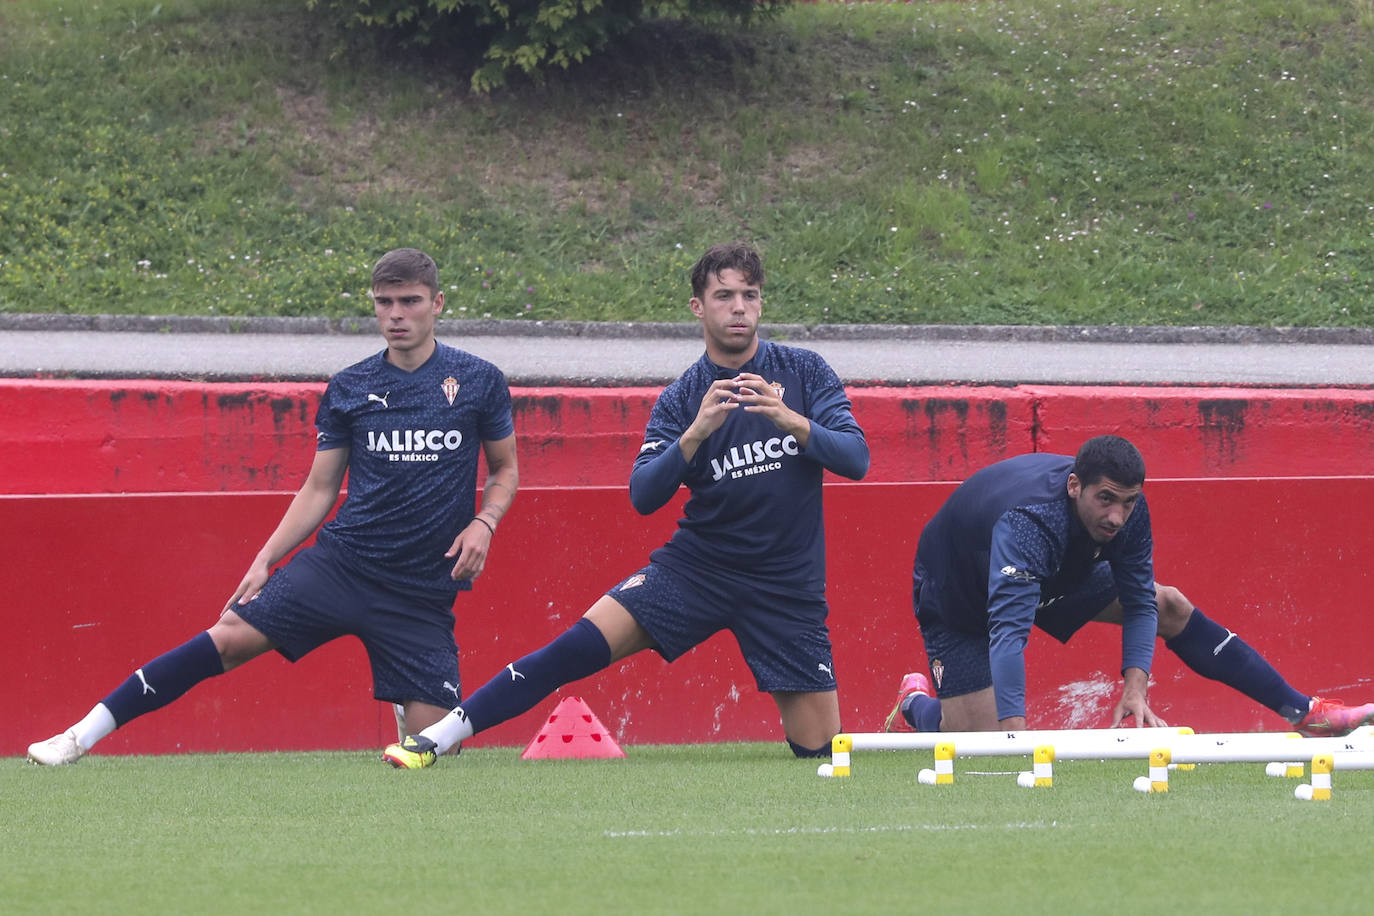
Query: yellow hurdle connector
x=1044, y=766
x=944, y=763
x=1159, y=769
x=1322, y=765
x=840, y=747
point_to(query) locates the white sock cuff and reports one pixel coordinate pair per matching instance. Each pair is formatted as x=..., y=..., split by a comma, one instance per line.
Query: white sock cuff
x=449, y=730
x=97, y=724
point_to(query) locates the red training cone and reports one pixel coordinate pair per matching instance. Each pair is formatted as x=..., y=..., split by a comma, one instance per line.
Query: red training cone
x=573, y=730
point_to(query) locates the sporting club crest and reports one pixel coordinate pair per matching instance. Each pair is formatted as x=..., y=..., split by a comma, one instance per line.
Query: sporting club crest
x=778, y=389
x=450, y=387
x=937, y=670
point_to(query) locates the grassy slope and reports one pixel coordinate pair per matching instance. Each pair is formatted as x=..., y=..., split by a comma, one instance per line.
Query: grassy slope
x=1019, y=162
x=691, y=829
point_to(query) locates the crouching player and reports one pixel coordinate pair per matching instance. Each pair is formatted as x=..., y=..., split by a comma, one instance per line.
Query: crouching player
x=1058, y=541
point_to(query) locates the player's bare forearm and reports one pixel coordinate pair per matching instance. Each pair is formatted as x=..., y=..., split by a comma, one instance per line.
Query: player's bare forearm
x=307, y=510
x=310, y=506
x=691, y=440
x=503, y=479
x=470, y=548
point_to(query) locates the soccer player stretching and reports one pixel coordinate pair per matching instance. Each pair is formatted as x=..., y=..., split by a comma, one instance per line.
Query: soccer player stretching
x=1056, y=542
x=406, y=425
x=749, y=428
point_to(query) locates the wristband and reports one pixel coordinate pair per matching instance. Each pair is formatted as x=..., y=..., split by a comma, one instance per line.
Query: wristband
x=478, y=518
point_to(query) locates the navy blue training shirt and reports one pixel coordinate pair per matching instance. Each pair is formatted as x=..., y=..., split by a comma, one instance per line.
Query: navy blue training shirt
x=755, y=506
x=1008, y=541
x=412, y=470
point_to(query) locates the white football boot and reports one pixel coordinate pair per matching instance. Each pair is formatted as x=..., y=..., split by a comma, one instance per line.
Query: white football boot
x=59, y=750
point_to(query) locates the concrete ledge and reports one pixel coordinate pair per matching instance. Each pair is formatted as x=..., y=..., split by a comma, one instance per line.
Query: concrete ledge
x=611, y=330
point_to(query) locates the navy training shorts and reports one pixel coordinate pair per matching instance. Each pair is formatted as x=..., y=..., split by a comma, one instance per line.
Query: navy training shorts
x=959, y=661
x=409, y=639
x=783, y=638
x=1064, y=616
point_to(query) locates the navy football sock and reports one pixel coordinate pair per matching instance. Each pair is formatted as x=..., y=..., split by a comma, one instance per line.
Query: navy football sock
x=579, y=652
x=799, y=750
x=1215, y=652
x=922, y=712
x=165, y=678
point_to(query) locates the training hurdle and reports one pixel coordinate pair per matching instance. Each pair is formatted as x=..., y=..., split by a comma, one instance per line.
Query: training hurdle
x=1267, y=748
x=947, y=745
x=1162, y=747
x=1009, y=743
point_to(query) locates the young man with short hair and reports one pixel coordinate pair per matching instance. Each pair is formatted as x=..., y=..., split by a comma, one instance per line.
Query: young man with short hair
x=1057, y=542
x=406, y=425
x=749, y=429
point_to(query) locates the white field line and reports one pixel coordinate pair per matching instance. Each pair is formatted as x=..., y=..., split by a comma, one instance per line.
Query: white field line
x=825, y=831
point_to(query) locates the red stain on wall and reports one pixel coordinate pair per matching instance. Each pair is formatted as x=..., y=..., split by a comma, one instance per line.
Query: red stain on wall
x=155, y=436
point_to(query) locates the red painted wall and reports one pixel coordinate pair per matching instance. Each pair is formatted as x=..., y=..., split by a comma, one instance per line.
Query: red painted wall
x=98, y=584
x=108, y=582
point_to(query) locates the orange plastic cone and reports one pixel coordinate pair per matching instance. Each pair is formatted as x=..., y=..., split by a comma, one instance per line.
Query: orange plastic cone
x=572, y=731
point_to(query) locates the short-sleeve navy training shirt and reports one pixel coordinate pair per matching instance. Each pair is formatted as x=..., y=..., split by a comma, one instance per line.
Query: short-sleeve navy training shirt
x=412, y=469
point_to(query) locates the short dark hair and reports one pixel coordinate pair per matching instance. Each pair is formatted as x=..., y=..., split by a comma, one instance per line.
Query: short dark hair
x=1111, y=457
x=739, y=256
x=406, y=265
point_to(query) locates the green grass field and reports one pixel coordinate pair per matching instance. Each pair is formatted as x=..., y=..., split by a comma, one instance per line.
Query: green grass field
x=735, y=828
x=1014, y=162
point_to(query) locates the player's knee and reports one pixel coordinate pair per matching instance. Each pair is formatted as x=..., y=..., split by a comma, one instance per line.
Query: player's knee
x=237, y=641
x=980, y=721
x=1174, y=610
x=802, y=751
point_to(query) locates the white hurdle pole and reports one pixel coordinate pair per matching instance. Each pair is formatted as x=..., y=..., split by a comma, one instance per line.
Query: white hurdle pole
x=1259, y=747
x=1107, y=741
x=1354, y=760
x=992, y=744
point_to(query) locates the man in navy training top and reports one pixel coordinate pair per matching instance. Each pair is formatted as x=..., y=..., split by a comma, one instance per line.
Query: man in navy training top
x=406, y=425
x=749, y=429
x=1057, y=542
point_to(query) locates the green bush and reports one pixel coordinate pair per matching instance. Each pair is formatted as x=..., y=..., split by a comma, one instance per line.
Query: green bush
x=527, y=36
